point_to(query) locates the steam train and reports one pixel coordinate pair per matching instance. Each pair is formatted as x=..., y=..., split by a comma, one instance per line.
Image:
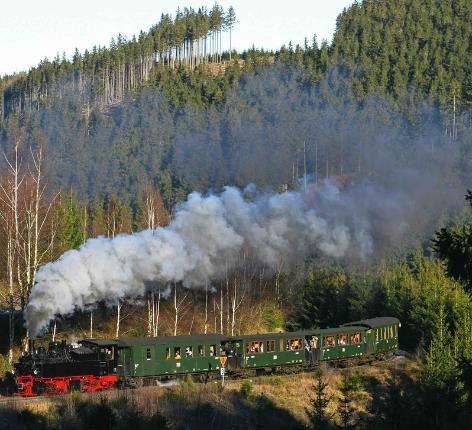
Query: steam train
x=98, y=364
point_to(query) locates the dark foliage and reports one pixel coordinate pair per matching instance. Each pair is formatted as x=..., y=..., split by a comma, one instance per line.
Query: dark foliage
x=453, y=245
x=11, y=419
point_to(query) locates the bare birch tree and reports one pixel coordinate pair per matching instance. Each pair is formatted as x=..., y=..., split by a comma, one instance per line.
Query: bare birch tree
x=180, y=308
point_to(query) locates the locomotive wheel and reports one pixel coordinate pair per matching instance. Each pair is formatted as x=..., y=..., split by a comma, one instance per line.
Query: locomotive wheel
x=75, y=385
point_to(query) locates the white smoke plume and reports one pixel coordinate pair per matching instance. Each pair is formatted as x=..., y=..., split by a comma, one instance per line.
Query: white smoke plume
x=204, y=240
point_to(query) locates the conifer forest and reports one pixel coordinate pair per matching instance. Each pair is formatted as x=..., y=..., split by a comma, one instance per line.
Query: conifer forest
x=373, y=128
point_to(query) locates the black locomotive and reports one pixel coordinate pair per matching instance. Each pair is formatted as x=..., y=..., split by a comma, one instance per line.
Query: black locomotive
x=62, y=367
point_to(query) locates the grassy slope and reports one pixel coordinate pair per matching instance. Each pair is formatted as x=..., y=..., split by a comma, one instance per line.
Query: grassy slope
x=275, y=402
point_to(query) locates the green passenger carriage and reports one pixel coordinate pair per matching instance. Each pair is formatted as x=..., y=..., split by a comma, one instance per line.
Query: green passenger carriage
x=166, y=356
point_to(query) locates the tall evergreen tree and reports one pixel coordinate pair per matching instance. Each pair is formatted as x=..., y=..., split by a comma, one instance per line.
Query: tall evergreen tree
x=453, y=245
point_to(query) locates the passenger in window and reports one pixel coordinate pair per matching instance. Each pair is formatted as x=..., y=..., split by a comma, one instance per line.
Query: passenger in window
x=212, y=350
x=201, y=351
x=177, y=355
x=329, y=341
x=313, y=342
x=167, y=353
x=356, y=338
x=188, y=352
x=342, y=340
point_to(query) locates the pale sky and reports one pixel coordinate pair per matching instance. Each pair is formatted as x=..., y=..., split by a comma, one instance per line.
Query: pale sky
x=31, y=30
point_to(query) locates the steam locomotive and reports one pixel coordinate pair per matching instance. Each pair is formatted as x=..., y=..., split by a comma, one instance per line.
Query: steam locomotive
x=86, y=366
x=98, y=364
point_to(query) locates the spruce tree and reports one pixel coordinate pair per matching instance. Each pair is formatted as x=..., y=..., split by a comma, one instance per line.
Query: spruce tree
x=453, y=245
x=317, y=414
x=71, y=231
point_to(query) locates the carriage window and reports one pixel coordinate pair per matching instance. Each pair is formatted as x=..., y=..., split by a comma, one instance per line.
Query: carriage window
x=148, y=354
x=270, y=346
x=212, y=350
x=391, y=331
x=167, y=353
x=395, y=330
x=188, y=352
x=356, y=338
x=376, y=335
x=201, y=350
x=385, y=333
x=342, y=339
x=177, y=354
x=281, y=345
x=294, y=344
x=255, y=347
x=328, y=341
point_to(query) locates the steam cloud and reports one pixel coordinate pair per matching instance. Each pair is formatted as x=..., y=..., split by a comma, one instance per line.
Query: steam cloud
x=204, y=240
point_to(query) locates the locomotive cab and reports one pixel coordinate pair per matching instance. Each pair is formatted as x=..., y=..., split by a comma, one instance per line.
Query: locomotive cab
x=104, y=353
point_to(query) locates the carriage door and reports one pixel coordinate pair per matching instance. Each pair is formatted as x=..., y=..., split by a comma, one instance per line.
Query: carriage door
x=124, y=362
x=312, y=349
x=233, y=350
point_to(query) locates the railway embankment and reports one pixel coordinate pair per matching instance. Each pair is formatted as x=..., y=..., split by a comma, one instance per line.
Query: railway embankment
x=269, y=401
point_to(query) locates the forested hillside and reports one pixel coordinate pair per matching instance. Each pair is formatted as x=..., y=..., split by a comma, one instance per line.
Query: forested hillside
x=101, y=77
x=114, y=139
x=406, y=62
x=423, y=45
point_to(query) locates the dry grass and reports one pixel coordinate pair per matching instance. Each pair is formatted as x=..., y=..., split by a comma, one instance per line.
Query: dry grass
x=288, y=396
x=294, y=392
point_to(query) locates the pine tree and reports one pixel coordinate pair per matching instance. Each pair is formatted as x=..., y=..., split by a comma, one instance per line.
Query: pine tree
x=345, y=409
x=453, y=245
x=71, y=231
x=439, y=379
x=230, y=21
x=318, y=417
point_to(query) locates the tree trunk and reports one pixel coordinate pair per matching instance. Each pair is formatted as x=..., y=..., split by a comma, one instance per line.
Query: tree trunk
x=205, y=329
x=54, y=331
x=156, y=324
x=221, y=308
x=176, y=309
x=118, y=319
x=91, y=324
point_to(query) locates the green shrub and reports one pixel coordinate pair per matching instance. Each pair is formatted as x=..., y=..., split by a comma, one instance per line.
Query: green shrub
x=273, y=380
x=352, y=382
x=246, y=389
x=188, y=384
x=273, y=318
x=5, y=366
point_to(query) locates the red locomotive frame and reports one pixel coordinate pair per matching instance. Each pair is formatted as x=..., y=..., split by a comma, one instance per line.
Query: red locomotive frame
x=61, y=385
